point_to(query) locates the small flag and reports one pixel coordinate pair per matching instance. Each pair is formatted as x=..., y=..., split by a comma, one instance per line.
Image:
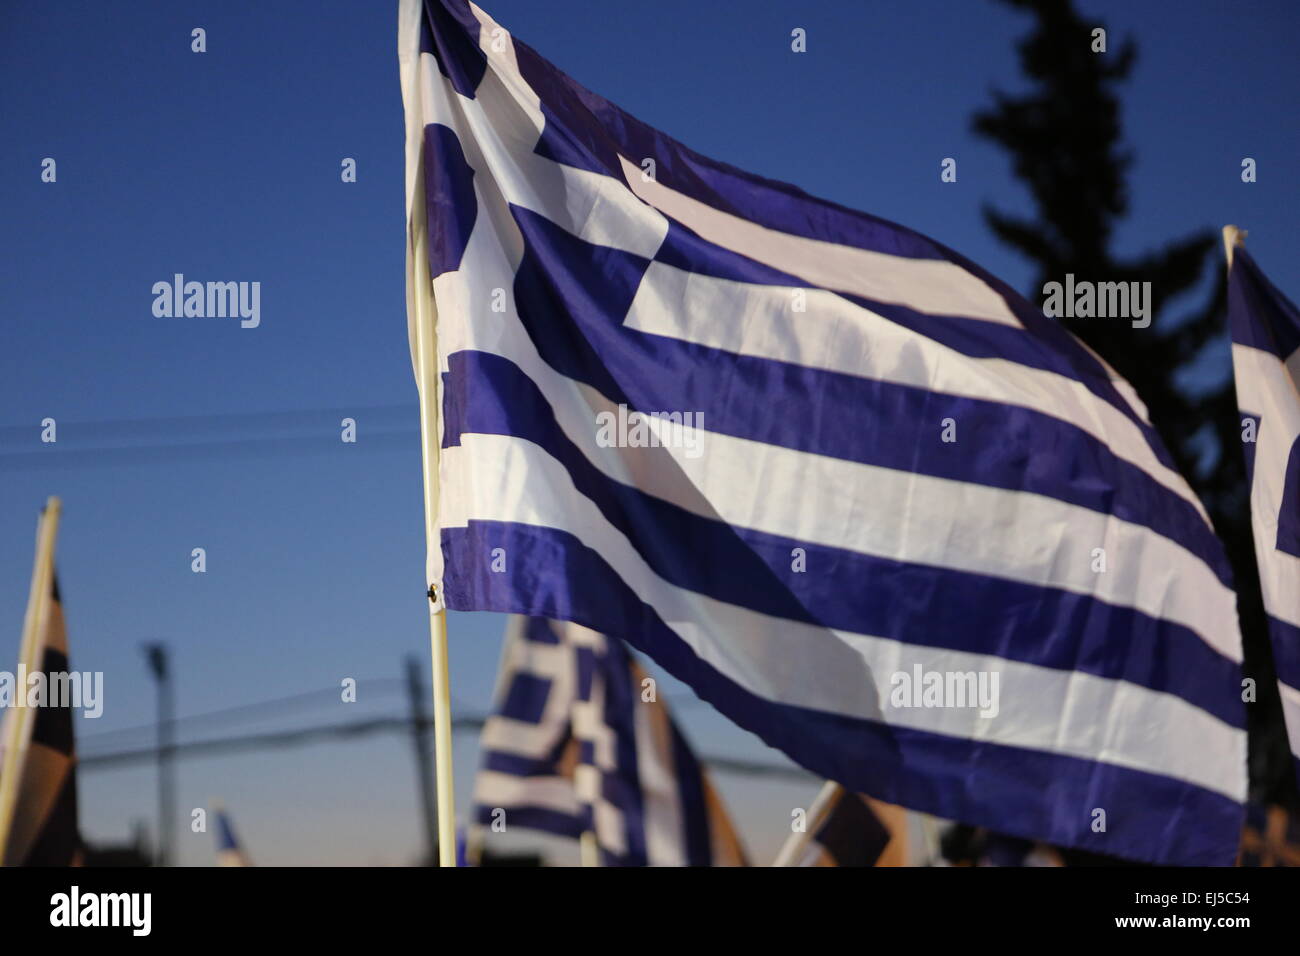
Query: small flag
x=847, y=485
x=848, y=829
x=579, y=744
x=1266, y=361
x=229, y=850
x=38, y=806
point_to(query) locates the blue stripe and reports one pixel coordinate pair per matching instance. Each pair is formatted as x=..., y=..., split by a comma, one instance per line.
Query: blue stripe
x=524, y=765
x=1259, y=315
x=225, y=834
x=692, y=798
x=539, y=631
x=1014, y=790
x=623, y=788
x=535, y=818
x=525, y=698
x=520, y=765
x=450, y=205
x=572, y=297
x=449, y=31
x=1288, y=518
x=584, y=666
x=913, y=603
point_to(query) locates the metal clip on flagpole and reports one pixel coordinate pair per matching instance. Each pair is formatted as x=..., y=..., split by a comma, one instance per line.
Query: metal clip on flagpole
x=34, y=625
x=427, y=362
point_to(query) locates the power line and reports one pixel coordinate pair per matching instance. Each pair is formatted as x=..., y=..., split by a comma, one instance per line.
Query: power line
x=382, y=686
x=187, y=426
x=250, y=434
x=245, y=742
x=360, y=728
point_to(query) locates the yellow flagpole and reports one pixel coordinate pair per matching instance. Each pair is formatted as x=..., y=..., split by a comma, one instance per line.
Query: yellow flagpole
x=1232, y=237
x=588, y=849
x=34, y=624
x=430, y=438
x=442, y=739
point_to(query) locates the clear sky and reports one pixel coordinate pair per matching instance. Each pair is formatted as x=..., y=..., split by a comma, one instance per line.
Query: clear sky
x=181, y=433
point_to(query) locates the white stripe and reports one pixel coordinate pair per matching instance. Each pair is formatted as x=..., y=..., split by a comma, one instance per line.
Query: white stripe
x=838, y=672
x=1266, y=387
x=505, y=790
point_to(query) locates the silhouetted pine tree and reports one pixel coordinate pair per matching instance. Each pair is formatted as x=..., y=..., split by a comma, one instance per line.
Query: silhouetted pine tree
x=1064, y=136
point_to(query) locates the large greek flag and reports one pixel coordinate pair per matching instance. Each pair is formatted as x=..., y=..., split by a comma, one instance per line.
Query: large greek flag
x=1266, y=361
x=575, y=747
x=826, y=471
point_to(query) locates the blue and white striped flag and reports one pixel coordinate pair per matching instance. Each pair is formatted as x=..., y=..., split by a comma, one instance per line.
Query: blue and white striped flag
x=229, y=850
x=1266, y=361
x=828, y=472
x=574, y=748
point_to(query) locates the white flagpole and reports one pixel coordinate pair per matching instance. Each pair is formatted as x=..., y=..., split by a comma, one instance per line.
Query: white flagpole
x=34, y=624
x=430, y=438
x=796, y=842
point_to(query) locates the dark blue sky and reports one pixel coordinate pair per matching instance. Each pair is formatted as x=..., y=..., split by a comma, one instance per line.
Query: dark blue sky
x=225, y=166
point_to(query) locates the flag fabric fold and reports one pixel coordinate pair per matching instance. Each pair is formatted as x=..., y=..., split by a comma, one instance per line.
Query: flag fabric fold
x=1265, y=329
x=574, y=747
x=805, y=458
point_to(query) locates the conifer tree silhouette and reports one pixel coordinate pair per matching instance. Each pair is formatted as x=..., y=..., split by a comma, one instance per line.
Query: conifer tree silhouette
x=1064, y=136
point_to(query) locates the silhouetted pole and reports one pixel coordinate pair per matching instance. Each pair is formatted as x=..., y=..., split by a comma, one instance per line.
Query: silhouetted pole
x=157, y=656
x=423, y=755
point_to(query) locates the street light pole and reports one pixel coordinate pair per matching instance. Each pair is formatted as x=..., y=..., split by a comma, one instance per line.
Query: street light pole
x=157, y=657
x=423, y=758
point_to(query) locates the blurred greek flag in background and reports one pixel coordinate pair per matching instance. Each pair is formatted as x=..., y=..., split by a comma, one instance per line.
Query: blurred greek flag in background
x=579, y=744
